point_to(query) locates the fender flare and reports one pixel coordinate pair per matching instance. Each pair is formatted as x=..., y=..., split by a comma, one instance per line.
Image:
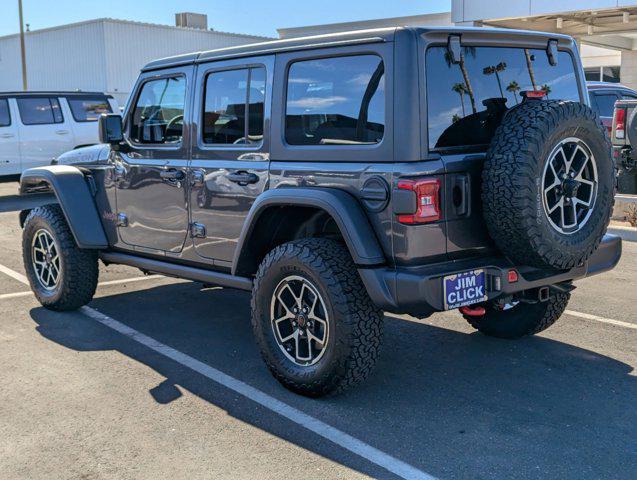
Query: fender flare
x=74, y=196
x=352, y=222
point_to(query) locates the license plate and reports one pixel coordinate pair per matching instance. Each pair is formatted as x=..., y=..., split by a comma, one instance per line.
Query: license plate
x=464, y=289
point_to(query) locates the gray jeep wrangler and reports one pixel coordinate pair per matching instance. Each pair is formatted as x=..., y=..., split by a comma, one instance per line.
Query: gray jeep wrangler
x=404, y=170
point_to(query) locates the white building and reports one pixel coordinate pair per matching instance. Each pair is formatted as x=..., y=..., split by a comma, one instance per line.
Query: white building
x=102, y=55
x=606, y=30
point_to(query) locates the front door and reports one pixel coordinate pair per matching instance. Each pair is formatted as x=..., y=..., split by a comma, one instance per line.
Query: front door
x=151, y=170
x=230, y=154
x=9, y=150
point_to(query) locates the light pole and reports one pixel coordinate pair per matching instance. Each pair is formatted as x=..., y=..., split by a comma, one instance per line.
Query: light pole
x=22, y=49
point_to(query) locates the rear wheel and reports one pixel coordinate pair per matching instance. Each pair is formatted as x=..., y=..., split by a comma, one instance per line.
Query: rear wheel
x=62, y=275
x=317, y=328
x=516, y=320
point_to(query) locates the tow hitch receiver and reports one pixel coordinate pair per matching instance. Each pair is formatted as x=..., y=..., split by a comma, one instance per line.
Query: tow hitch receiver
x=473, y=311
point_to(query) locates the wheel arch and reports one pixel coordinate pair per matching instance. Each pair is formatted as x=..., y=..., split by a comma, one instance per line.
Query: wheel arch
x=75, y=197
x=279, y=216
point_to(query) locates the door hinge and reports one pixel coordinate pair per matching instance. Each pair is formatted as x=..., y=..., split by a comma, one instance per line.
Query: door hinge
x=197, y=230
x=122, y=220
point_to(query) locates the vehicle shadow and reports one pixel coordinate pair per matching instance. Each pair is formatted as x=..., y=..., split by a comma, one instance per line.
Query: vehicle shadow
x=453, y=404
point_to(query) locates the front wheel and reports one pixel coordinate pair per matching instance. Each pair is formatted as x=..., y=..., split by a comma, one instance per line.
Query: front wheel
x=516, y=320
x=62, y=276
x=317, y=328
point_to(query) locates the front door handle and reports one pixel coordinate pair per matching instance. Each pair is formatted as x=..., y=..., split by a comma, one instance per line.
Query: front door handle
x=172, y=174
x=62, y=132
x=243, y=178
x=7, y=135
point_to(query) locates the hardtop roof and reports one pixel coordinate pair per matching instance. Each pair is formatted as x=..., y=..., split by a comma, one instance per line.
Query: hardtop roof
x=336, y=39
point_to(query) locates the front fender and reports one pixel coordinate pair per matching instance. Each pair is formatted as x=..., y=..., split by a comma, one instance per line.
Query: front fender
x=341, y=206
x=74, y=196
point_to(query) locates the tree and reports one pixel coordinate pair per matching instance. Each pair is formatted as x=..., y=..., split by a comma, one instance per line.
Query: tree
x=529, y=67
x=546, y=89
x=460, y=89
x=514, y=88
x=496, y=69
x=465, y=73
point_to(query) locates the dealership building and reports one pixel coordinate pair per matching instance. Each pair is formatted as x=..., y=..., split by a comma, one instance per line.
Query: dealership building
x=106, y=54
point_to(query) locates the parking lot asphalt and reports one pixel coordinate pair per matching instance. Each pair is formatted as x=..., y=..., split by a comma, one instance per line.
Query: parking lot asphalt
x=160, y=377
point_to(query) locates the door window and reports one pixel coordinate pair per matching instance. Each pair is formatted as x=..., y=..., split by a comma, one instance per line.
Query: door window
x=40, y=111
x=228, y=95
x=5, y=115
x=158, y=116
x=336, y=101
x=89, y=109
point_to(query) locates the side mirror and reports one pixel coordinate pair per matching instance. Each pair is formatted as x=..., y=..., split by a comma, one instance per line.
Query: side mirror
x=111, y=129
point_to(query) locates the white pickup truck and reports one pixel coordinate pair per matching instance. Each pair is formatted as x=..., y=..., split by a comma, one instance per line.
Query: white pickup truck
x=37, y=127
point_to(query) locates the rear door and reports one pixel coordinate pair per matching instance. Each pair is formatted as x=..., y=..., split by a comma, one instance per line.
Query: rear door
x=230, y=155
x=151, y=172
x=9, y=149
x=45, y=132
x=463, y=113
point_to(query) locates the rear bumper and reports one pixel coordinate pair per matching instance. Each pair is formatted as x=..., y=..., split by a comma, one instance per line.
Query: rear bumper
x=418, y=291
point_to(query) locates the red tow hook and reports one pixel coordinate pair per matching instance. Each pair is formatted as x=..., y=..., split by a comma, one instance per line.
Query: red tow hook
x=473, y=311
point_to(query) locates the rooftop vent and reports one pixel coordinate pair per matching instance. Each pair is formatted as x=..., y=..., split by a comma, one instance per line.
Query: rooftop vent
x=191, y=20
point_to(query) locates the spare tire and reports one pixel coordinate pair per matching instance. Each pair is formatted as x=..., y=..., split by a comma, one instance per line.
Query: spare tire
x=548, y=184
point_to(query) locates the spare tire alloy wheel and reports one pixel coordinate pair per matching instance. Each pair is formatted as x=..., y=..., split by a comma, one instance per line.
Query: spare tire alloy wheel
x=569, y=186
x=45, y=259
x=299, y=320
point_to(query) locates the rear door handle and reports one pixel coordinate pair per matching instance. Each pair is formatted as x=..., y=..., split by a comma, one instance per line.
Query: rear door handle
x=62, y=132
x=243, y=178
x=7, y=135
x=172, y=174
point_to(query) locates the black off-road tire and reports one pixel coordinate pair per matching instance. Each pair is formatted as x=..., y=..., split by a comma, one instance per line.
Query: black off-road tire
x=520, y=320
x=79, y=268
x=512, y=178
x=355, y=324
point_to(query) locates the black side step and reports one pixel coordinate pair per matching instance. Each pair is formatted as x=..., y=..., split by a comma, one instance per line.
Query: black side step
x=179, y=271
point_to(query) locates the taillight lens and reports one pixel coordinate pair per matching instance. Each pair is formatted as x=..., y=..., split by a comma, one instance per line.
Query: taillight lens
x=428, y=200
x=619, y=122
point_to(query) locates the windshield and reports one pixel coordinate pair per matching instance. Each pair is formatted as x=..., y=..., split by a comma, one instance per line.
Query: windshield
x=466, y=100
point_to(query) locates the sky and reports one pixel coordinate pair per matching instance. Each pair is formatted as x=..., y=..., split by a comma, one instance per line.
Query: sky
x=260, y=17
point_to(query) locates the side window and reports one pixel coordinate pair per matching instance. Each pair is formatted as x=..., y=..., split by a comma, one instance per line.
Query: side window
x=88, y=109
x=158, y=116
x=605, y=104
x=40, y=111
x=228, y=95
x=336, y=101
x=5, y=115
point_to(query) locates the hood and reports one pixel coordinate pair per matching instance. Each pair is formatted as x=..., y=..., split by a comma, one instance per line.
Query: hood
x=84, y=155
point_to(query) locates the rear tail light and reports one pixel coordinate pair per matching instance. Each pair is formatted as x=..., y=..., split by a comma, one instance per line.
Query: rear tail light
x=619, y=122
x=427, y=200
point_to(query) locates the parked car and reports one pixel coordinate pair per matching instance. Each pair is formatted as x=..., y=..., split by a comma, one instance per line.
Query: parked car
x=37, y=127
x=408, y=170
x=623, y=137
x=603, y=96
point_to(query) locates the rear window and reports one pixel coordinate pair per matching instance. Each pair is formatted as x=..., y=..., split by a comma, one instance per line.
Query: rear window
x=466, y=101
x=89, y=109
x=40, y=110
x=5, y=116
x=604, y=103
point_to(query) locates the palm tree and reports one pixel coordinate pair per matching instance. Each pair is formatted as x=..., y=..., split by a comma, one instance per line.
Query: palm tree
x=496, y=69
x=546, y=89
x=460, y=89
x=514, y=88
x=455, y=118
x=529, y=67
x=465, y=74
